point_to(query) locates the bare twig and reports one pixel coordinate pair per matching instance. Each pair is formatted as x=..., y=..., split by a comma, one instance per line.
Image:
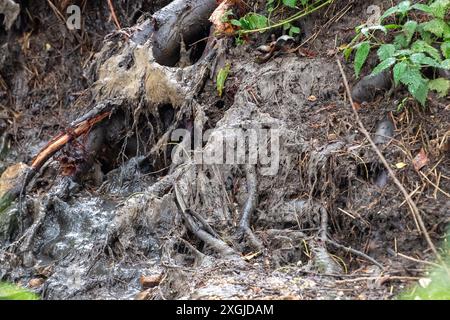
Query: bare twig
x=113, y=15
x=354, y=251
x=414, y=210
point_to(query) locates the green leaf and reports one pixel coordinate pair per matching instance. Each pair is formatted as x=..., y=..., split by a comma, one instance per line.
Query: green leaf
x=421, y=59
x=386, y=51
x=404, y=52
x=436, y=26
x=222, y=76
x=13, y=292
x=347, y=52
x=290, y=3
x=439, y=8
x=256, y=21
x=402, y=8
x=236, y=22
x=419, y=92
x=423, y=7
x=445, y=64
x=293, y=30
x=409, y=29
x=417, y=84
x=400, y=41
x=422, y=46
x=440, y=85
x=399, y=70
x=445, y=48
x=411, y=75
x=383, y=65
x=361, y=56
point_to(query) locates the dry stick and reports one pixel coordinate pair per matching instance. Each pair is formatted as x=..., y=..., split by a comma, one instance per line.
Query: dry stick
x=414, y=210
x=113, y=14
x=354, y=251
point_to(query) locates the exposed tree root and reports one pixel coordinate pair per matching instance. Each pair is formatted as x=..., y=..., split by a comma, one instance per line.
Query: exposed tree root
x=208, y=238
x=179, y=21
x=249, y=208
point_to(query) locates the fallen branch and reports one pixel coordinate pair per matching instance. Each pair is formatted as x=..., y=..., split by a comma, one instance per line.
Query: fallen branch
x=414, y=210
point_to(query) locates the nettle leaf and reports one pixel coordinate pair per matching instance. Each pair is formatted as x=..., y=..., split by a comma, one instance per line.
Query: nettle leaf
x=439, y=8
x=445, y=64
x=422, y=59
x=402, y=8
x=399, y=70
x=419, y=92
x=445, y=48
x=416, y=83
x=383, y=65
x=386, y=51
x=409, y=29
x=256, y=21
x=422, y=46
x=361, y=55
x=437, y=27
x=403, y=53
x=422, y=7
x=400, y=41
x=440, y=85
x=290, y=3
x=412, y=75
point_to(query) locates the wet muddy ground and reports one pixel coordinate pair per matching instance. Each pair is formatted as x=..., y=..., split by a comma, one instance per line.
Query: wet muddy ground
x=116, y=230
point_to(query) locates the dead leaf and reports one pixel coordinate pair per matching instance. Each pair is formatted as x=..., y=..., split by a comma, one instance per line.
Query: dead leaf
x=400, y=165
x=150, y=281
x=144, y=295
x=10, y=177
x=421, y=160
x=36, y=282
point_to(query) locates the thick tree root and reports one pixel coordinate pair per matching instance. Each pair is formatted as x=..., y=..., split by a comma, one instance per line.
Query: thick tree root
x=244, y=230
x=204, y=232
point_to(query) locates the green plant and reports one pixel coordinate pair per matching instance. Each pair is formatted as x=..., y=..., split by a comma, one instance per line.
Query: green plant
x=436, y=286
x=254, y=22
x=13, y=292
x=222, y=76
x=416, y=45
